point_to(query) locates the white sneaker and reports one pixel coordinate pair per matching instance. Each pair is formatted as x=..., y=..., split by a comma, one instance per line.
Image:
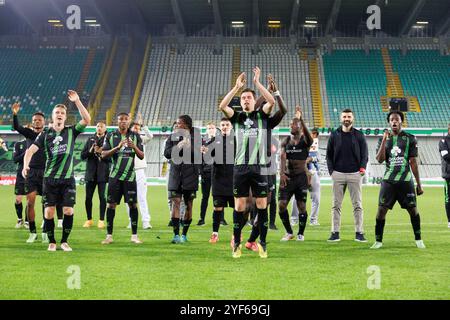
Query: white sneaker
x=135, y=239
x=19, y=224
x=32, y=238
x=60, y=223
x=377, y=245
x=287, y=237
x=314, y=223
x=146, y=225
x=52, y=247
x=294, y=222
x=26, y=225
x=42, y=224
x=65, y=246
x=44, y=237
x=300, y=237
x=108, y=239
x=449, y=224
x=420, y=244
x=129, y=225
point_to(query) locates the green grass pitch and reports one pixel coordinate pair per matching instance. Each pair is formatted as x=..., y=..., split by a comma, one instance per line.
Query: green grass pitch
x=313, y=269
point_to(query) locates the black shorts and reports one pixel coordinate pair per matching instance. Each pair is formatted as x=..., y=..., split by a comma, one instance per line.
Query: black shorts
x=402, y=191
x=59, y=192
x=19, y=189
x=272, y=182
x=223, y=201
x=118, y=188
x=296, y=185
x=246, y=177
x=34, y=181
x=186, y=194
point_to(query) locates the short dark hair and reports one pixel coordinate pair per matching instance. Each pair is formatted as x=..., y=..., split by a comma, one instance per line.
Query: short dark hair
x=38, y=114
x=226, y=119
x=123, y=114
x=102, y=122
x=347, y=110
x=402, y=116
x=249, y=90
x=187, y=120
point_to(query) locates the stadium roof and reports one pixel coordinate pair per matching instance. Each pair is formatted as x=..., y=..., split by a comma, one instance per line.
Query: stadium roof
x=397, y=16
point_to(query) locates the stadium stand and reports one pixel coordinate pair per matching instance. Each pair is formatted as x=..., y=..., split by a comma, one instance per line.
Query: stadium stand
x=194, y=82
x=355, y=80
x=425, y=74
x=40, y=79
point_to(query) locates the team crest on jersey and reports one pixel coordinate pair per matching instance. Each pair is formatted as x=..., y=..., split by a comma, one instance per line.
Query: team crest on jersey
x=396, y=151
x=248, y=123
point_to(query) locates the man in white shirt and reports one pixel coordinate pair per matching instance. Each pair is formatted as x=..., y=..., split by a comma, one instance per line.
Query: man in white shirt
x=141, y=177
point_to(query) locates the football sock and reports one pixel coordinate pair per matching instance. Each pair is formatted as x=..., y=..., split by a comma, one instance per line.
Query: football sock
x=263, y=224
x=238, y=221
x=379, y=229
x=186, y=224
x=67, y=227
x=415, y=221
x=302, y=218
x=284, y=216
x=32, y=226
x=19, y=209
x=217, y=215
x=254, y=234
x=50, y=230
x=134, y=220
x=110, y=213
x=176, y=226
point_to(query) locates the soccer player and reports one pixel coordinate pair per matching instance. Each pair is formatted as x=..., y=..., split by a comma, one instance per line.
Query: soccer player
x=312, y=163
x=250, y=166
x=293, y=179
x=97, y=172
x=222, y=175
x=399, y=150
x=205, y=173
x=58, y=142
x=122, y=145
x=274, y=120
x=141, y=178
x=444, y=149
x=34, y=181
x=19, y=190
x=182, y=148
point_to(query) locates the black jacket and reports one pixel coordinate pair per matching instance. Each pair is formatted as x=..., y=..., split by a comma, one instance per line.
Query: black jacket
x=359, y=148
x=97, y=169
x=184, y=175
x=444, y=150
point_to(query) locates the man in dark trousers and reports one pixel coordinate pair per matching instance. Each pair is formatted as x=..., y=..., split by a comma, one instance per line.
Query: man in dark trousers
x=205, y=173
x=19, y=189
x=97, y=172
x=444, y=149
x=183, y=150
x=347, y=158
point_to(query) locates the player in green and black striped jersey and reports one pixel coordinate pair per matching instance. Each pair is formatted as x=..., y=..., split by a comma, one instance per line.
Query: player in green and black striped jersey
x=58, y=143
x=251, y=131
x=399, y=150
x=122, y=145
